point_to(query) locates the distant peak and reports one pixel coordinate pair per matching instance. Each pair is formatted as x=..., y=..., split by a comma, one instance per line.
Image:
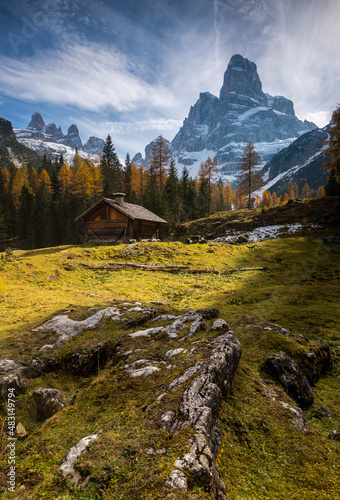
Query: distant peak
x=36, y=123
x=241, y=77
x=238, y=62
x=73, y=129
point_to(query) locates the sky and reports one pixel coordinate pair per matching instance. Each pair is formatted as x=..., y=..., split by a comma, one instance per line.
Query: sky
x=133, y=68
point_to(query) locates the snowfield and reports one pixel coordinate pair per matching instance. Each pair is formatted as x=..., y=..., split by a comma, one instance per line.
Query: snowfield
x=263, y=233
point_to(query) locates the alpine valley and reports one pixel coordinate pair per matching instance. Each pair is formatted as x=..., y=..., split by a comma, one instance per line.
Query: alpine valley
x=219, y=127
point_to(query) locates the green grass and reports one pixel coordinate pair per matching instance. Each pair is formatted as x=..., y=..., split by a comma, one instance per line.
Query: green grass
x=263, y=456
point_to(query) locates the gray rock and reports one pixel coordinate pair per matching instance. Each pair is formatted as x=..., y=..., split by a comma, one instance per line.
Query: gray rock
x=197, y=325
x=13, y=380
x=67, y=328
x=168, y=419
x=334, y=435
x=299, y=420
x=179, y=381
x=174, y=352
x=293, y=381
x=149, y=332
x=325, y=413
x=209, y=313
x=143, y=372
x=8, y=365
x=219, y=324
x=47, y=402
x=67, y=464
x=177, y=480
x=199, y=409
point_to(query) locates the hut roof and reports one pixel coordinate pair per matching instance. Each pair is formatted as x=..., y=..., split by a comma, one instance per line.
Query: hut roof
x=130, y=210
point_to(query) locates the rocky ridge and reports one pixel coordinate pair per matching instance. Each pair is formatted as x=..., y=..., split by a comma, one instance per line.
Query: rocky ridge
x=50, y=139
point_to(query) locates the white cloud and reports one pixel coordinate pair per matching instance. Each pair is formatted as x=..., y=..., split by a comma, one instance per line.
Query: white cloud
x=131, y=136
x=90, y=77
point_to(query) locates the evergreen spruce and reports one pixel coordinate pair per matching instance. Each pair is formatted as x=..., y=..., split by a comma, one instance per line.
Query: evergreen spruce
x=110, y=169
x=128, y=179
x=332, y=187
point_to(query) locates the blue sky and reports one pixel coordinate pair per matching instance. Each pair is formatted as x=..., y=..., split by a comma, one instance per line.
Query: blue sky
x=133, y=68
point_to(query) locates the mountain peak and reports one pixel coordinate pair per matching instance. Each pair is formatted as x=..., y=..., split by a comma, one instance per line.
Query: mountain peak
x=241, y=78
x=37, y=123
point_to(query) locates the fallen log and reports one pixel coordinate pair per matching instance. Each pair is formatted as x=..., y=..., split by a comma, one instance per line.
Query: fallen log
x=168, y=269
x=242, y=269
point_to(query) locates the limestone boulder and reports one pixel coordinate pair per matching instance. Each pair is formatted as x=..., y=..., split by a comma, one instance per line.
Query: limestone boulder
x=47, y=402
x=289, y=375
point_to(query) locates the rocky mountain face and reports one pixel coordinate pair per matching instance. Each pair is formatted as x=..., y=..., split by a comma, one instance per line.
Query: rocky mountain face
x=38, y=133
x=221, y=126
x=12, y=152
x=303, y=161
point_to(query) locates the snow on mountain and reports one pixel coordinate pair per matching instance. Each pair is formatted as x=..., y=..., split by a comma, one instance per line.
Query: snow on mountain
x=50, y=149
x=243, y=112
x=50, y=140
x=302, y=161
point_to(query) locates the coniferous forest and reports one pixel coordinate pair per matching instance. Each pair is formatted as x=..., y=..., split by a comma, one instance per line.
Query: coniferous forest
x=38, y=206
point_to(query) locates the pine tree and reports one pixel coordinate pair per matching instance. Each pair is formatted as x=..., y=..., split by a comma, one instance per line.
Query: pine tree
x=220, y=205
x=204, y=197
x=160, y=158
x=152, y=195
x=27, y=216
x=110, y=169
x=43, y=225
x=333, y=150
x=4, y=207
x=171, y=192
x=128, y=178
x=250, y=177
x=189, y=197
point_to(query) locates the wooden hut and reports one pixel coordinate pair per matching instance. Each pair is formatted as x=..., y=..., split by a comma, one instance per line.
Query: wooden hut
x=114, y=220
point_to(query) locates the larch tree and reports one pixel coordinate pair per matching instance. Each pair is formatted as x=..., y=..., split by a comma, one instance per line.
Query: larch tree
x=160, y=158
x=249, y=176
x=305, y=192
x=208, y=176
x=321, y=192
x=228, y=196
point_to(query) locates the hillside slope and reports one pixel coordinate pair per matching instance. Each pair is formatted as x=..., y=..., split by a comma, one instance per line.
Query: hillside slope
x=12, y=152
x=271, y=448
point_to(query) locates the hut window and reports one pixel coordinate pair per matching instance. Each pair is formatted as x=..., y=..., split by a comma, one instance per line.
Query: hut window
x=103, y=215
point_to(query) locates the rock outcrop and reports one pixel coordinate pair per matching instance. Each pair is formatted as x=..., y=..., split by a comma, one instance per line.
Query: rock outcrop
x=50, y=140
x=67, y=465
x=47, y=402
x=293, y=381
x=199, y=409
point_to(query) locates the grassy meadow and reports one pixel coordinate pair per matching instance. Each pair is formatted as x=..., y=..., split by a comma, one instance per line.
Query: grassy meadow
x=263, y=455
